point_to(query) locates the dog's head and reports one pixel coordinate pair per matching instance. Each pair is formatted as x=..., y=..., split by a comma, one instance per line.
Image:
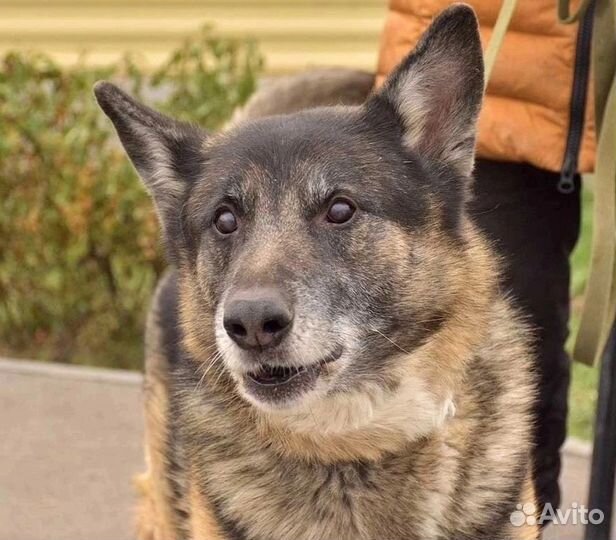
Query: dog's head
x=322, y=250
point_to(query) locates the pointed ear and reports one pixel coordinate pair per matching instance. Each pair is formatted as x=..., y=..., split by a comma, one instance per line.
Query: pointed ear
x=436, y=91
x=167, y=154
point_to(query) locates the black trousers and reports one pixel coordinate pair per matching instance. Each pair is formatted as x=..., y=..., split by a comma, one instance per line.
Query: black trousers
x=535, y=227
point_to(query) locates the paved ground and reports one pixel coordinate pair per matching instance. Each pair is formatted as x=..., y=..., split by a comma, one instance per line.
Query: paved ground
x=71, y=441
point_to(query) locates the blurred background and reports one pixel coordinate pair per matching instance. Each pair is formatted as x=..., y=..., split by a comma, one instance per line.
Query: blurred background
x=79, y=247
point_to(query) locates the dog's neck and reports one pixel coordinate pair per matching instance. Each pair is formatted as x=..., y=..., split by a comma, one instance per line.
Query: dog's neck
x=363, y=425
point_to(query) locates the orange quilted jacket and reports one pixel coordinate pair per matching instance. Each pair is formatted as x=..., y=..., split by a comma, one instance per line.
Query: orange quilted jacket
x=526, y=115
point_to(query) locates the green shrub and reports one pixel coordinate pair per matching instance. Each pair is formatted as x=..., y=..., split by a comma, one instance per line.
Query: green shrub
x=79, y=250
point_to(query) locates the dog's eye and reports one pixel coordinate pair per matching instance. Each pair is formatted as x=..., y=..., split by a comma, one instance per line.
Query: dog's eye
x=225, y=221
x=340, y=211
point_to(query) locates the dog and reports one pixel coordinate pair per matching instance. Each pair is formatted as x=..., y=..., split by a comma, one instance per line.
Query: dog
x=330, y=356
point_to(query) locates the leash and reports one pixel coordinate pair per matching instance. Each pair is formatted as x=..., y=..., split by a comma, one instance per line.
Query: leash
x=599, y=310
x=498, y=35
x=564, y=12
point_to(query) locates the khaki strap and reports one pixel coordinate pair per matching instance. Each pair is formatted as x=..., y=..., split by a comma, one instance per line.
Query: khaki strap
x=603, y=54
x=498, y=35
x=564, y=13
x=600, y=297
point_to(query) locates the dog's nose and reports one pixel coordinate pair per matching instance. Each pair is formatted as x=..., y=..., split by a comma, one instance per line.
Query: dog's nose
x=257, y=318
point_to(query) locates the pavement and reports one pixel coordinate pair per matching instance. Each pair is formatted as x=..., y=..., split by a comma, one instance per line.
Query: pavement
x=71, y=441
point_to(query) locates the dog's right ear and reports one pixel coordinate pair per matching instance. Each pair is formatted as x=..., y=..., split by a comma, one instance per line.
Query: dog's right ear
x=167, y=154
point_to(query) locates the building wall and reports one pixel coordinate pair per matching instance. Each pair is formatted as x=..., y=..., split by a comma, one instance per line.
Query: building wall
x=292, y=34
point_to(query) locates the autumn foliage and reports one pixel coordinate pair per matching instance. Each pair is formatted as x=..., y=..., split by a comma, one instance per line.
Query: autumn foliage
x=79, y=245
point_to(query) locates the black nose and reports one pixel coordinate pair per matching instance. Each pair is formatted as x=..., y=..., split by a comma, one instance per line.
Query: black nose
x=257, y=318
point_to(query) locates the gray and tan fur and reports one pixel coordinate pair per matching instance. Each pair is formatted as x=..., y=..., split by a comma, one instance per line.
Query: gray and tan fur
x=407, y=414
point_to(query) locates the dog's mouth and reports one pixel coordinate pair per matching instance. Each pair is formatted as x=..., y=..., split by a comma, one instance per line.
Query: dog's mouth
x=275, y=375
x=276, y=384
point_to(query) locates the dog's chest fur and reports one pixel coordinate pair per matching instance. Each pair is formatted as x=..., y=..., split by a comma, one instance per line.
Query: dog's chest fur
x=258, y=494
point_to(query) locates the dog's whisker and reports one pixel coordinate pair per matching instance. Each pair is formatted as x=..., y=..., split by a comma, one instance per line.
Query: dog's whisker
x=212, y=361
x=390, y=340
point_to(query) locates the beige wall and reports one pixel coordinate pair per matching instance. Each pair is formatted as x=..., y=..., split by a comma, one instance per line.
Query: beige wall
x=293, y=34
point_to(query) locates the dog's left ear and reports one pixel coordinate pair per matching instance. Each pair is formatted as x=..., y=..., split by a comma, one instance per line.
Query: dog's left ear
x=436, y=91
x=167, y=154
